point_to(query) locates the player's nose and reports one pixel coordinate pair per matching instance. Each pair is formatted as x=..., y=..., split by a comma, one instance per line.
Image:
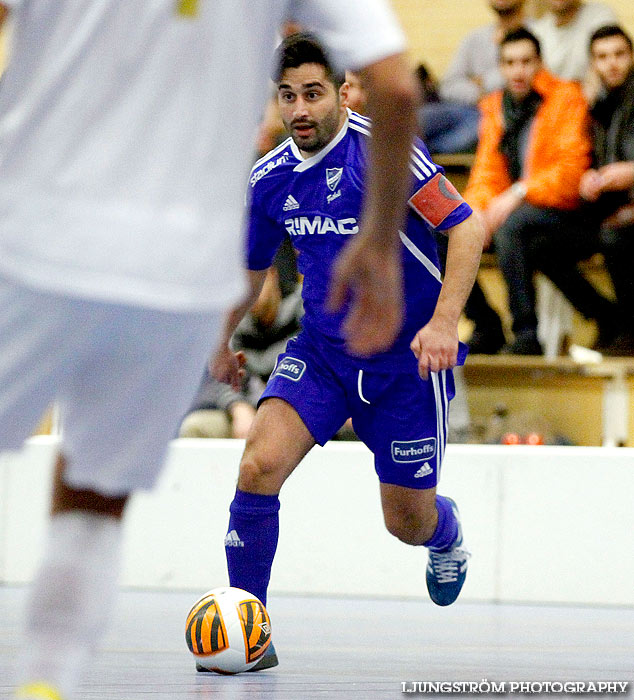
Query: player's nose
x=301, y=108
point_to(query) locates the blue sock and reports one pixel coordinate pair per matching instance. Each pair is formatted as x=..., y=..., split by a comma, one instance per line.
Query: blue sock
x=447, y=529
x=251, y=541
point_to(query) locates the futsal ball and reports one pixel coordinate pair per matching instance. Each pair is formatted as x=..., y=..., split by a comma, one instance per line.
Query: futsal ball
x=228, y=630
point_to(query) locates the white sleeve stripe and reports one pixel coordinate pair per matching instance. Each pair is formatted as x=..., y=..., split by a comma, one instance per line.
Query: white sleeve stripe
x=425, y=158
x=356, y=127
x=421, y=257
x=416, y=165
x=419, y=166
x=416, y=172
x=357, y=115
x=358, y=118
x=422, y=165
x=419, y=160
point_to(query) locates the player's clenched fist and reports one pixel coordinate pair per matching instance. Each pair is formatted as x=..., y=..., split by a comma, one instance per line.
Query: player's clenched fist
x=435, y=346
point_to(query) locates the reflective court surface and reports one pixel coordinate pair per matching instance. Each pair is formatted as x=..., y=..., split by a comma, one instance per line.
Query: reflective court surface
x=351, y=648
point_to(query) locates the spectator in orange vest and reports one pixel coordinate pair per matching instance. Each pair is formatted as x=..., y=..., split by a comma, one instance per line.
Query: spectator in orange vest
x=534, y=147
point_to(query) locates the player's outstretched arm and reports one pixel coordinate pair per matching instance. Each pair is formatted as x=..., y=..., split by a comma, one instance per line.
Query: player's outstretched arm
x=369, y=268
x=436, y=344
x=4, y=13
x=224, y=364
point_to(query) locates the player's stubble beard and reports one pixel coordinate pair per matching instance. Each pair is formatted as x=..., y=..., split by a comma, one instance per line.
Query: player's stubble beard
x=324, y=132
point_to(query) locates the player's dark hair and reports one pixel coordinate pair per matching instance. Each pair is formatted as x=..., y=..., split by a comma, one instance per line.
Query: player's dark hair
x=607, y=31
x=521, y=34
x=301, y=48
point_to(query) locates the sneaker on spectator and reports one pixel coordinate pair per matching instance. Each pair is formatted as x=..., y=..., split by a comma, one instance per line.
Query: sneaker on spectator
x=608, y=328
x=622, y=346
x=525, y=343
x=486, y=340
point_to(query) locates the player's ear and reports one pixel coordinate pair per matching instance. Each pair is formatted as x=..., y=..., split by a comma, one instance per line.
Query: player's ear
x=343, y=94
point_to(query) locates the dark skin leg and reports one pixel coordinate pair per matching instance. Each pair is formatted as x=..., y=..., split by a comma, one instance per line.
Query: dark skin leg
x=65, y=498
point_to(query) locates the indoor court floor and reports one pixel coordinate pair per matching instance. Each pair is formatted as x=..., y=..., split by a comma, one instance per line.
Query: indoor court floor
x=353, y=649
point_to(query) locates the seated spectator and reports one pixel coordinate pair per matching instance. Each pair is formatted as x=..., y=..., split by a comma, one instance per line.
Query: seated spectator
x=610, y=183
x=446, y=127
x=274, y=318
x=564, y=34
x=533, y=149
x=220, y=412
x=449, y=118
x=475, y=69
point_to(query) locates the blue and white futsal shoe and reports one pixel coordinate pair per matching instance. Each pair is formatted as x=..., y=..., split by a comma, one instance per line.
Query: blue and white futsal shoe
x=446, y=571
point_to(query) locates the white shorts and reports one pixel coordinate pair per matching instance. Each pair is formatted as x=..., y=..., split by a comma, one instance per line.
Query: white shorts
x=124, y=378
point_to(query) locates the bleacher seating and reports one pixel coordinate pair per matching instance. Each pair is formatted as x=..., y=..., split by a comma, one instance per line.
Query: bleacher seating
x=587, y=403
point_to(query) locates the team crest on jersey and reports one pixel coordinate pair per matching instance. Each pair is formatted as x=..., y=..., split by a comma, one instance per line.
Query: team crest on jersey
x=333, y=178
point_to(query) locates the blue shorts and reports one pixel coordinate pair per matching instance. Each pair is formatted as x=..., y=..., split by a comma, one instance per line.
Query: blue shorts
x=402, y=418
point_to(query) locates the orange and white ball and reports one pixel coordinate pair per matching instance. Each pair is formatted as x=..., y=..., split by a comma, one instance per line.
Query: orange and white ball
x=228, y=630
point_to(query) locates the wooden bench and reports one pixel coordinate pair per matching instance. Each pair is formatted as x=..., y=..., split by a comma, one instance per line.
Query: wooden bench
x=588, y=402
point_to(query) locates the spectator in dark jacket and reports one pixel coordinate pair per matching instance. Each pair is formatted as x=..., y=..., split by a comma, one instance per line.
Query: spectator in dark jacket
x=610, y=183
x=533, y=149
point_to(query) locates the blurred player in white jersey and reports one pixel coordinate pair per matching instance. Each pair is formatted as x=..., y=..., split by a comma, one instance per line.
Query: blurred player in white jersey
x=123, y=160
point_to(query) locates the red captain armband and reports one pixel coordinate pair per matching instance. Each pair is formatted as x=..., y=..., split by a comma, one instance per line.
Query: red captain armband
x=435, y=200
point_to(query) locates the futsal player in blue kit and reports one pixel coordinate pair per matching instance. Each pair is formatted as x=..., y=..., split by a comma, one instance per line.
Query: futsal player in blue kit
x=311, y=188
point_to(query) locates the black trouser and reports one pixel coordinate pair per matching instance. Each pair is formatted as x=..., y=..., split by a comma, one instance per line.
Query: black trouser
x=551, y=241
x=477, y=307
x=617, y=246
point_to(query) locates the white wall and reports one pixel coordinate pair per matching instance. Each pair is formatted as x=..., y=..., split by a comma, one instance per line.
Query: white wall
x=544, y=523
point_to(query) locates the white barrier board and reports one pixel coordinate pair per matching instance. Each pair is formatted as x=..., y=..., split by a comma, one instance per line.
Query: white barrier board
x=552, y=524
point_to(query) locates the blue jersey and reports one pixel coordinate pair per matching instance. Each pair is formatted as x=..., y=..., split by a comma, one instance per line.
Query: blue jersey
x=317, y=202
